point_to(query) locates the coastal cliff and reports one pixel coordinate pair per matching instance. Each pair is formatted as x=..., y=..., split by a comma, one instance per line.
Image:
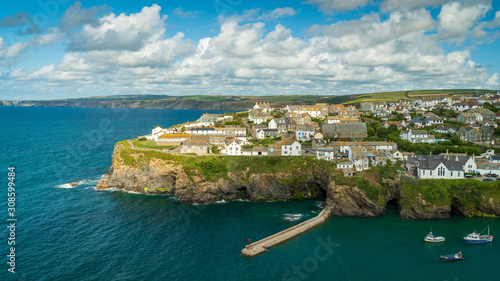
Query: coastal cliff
x=208, y=179
x=194, y=179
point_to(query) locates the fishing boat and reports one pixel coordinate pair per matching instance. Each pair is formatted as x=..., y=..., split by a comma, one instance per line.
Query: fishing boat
x=433, y=239
x=455, y=257
x=475, y=238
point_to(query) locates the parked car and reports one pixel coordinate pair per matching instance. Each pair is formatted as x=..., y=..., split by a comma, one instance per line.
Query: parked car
x=489, y=179
x=468, y=176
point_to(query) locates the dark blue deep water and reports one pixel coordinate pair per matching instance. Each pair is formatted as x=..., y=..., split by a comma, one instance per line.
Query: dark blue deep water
x=83, y=234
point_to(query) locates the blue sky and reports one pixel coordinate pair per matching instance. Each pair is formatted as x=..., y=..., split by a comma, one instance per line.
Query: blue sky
x=51, y=49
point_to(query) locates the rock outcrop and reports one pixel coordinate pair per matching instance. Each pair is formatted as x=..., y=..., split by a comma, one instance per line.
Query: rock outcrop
x=170, y=178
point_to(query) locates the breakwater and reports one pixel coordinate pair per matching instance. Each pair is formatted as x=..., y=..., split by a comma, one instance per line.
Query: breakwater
x=262, y=245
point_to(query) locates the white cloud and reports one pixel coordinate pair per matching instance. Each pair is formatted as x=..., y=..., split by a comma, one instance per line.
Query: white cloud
x=329, y=6
x=456, y=20
x=50, y=38
x=278, y=13
x=120, y=32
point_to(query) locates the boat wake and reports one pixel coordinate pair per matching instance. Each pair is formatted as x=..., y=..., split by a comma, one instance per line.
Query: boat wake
x=292, y=217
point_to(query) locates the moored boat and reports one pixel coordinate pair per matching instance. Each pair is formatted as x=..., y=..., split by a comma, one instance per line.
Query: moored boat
x=457, y=256
x=477, y=238
x=430, y=238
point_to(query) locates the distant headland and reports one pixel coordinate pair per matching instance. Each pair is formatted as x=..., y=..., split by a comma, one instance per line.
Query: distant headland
x=228, y=102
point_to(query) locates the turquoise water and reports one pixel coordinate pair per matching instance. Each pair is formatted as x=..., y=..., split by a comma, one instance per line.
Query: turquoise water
x=83, y=234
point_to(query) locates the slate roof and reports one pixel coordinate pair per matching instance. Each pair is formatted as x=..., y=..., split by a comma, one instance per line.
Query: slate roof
x=351, y=127
x=432, y=164
x=202, y=129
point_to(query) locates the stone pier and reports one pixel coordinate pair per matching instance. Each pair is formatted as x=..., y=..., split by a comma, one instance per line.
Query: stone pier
x=280, y=237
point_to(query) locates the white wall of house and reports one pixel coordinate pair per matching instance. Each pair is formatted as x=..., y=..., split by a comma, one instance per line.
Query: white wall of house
x=291, y=150
x=233, y=149
x=345, y=165
x=324, y=154
x=272, y=124
x=441, y=172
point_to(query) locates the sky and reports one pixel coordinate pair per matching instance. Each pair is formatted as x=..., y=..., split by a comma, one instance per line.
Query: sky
x=53, y=49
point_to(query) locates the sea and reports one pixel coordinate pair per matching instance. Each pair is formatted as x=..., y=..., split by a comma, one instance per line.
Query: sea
x=79, y=233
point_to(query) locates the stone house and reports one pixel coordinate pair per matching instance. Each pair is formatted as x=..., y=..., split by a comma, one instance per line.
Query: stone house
x=258, y=117
x=283, y=125
x=345, y=130
x=262, y=106
x=172, y=139
x=208, y=119
x=198, y=147
x=299, y=118
x=367, y=106
x=475, y=134
x=469, y=117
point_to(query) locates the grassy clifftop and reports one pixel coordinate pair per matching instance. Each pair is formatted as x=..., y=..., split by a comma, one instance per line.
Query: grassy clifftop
x=215, y=167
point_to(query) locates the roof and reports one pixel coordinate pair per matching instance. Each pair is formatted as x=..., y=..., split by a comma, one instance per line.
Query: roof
x=202, y=129
x=351, y=127
x=301, y=127
x=288, y=142
x=195, y=143
x=325, y=148
x=432, y=164
x=172, y=136
x=270, y=130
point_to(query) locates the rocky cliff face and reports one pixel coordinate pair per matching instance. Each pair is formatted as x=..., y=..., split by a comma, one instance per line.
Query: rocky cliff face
x=160, y=176
x=169, y=177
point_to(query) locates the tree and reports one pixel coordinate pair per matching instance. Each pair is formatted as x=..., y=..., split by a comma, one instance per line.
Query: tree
x=215, y=149
x=183, y=129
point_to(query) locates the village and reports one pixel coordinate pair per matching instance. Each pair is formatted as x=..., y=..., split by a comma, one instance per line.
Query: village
x=461, y=130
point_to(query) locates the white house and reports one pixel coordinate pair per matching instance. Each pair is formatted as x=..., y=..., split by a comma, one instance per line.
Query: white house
x=267, y=133
x=417, y=136
x=156, y=132
x=262, y=106
x=440, y=169
x=233, y=148
x=291, y=148
x=325, y=153
x=345, y=165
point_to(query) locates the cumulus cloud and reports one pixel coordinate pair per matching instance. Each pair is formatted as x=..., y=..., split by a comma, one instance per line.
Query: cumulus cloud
x=457, y=19
x=120, y=32
x=329, y=6
x=75, y=15
x=278, y=13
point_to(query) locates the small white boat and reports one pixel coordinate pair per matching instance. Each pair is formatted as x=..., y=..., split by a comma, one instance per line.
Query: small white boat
x=475, y=238
x=433, y=239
